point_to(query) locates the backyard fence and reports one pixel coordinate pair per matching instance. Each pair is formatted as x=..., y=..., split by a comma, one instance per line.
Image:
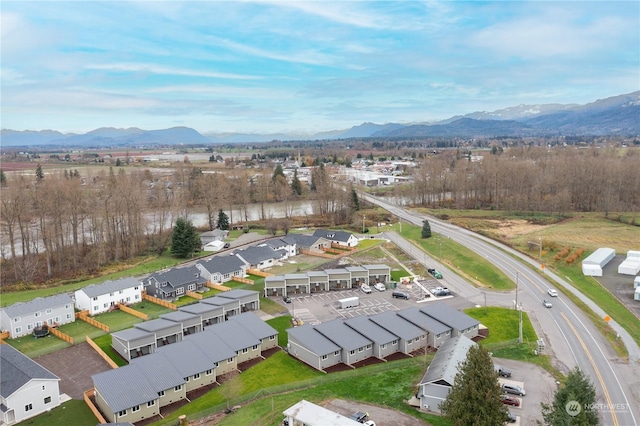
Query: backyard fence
x=160, y=302
x=87, y=395
x=259, y=273
x=218, y=286
x=242, y=280
x=82, y=316
x=133, y=312
x=194, y=295
x=316, y=254
x=100, y=352
x=60, y=335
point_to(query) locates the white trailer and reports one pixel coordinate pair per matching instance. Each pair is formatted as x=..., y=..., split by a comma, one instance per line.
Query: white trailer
x=349, y=302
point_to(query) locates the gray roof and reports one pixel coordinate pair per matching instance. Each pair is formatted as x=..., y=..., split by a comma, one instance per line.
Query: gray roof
x=131, y=334
x=179, y=277
x=342, y=335
x=238, y=293
x=38, y=304
x=211, y=345
x=256, y=254
x=254, y=325
x=296, y=276
x=372, y=331
x=342, y=236
x=160, y=373
x=356, y=269
x=276, y=243
x=234, y=335
x=302, y=240
x=444, y=366
x=201, y=308
x=449, y=316
x=223, y=264
x=155, y=325
x=377, y=266
x=17, y=369
x=274, y=278
x=397, y=325
x=186, y=357
x=220, y=301
x=336, y=271
x=124, y=387
x=424, y=321
x=179, y=316
x=96, y=290
x=311, y=339
x=317, y=274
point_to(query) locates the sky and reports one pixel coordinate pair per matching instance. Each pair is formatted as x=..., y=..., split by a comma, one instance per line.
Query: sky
x=304, y=66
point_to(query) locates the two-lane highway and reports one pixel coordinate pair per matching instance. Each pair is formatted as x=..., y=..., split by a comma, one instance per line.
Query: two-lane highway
x=573, y=339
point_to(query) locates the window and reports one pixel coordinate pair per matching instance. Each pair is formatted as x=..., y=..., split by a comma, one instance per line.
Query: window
x=43, y=388
x=16, y=319
x=352, y=352
x=37, y=314
x=383, y=346
x=230, y=361
x=120, y=292
x=57, y=319
x=272, y=337
x=95, y=298
x=187, y=379
x=28, y=407
x=111, y=294
x=18, y=330
x=336, y=353
x=215, y=365
x=50, y=321
x=180, y=290
x=409, y=341
x=128, y=299
x=196, y=376
x=68, y=316
x=137, y=296
x=135, y=288
x=255, y=347
x=67, y=306
x=208, y=372
x=178, y=388
x=324, y=357
x=105, y=305
x=29, y=326
x=135, y=409
x=245, y=350
x=360, y=349
x=192, y=287
x=95, y=308
x=49, y=310
x=122, y=413
x=161, y=393
x=369, y=346
x=47, y=400
x=151, y=403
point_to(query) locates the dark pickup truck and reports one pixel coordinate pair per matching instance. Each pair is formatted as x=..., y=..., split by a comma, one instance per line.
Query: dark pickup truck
x=435, y=273
x=503, y=372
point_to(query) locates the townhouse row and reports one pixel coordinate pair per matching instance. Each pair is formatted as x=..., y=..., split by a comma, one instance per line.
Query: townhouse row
x=141, y=389
x=349, y=341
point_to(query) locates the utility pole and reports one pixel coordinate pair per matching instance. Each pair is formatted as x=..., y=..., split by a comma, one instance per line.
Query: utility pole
x=363, y=218
x=520, y=328
x=517, y=275
x=540, y=245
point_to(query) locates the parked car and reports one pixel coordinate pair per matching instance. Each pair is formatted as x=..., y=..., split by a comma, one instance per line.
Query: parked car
x=400, y=295
x=513, y=389
x=440, y=291
x=226, y=245
x=359, y=416
x=379, y=287
x=510, y=400
x=365, y=288
x=286, y=299
x=552, y=292
x=511, y=418
x=435, y=273
x=503, y=372
x=546, y=303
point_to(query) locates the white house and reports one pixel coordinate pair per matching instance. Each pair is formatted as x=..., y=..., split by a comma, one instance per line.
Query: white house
x=26, y=388
x=98, y=298
x=21, y=319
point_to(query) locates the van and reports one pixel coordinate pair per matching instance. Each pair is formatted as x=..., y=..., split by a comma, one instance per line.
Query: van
x=513, y=389
x=400, y=295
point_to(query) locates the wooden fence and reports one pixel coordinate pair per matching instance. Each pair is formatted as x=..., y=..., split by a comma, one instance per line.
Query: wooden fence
x=102, y=353
x=341, y=247
x=317, y=254
x=60, y=335
x=87, y=399
x=194, y=295
x=160, y=302
x=4, y=335
x=217, y=286
x=242, y=280
x=82, y=316
x=130, y=311
x=259, y=273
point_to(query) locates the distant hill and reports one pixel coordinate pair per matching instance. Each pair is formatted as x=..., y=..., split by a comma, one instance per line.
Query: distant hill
x=617, y=115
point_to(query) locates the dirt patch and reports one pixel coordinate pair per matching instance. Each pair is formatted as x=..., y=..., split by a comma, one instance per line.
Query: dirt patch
x=381, y=415
x=509, y=229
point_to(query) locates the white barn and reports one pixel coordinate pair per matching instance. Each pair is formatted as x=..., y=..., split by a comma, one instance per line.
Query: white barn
x=593, y=264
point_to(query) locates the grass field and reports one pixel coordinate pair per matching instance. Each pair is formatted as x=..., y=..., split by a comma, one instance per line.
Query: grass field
x=105, y=344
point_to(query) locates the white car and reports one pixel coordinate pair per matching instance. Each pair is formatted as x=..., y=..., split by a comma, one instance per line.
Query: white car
x=552, y=292
x=365, y=288
x=379, y=287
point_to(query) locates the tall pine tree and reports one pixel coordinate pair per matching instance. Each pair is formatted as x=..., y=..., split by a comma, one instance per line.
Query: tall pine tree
x=474, y=398
x=223, y=221
x=185, y=239
x=426, y=229
x=573, y=403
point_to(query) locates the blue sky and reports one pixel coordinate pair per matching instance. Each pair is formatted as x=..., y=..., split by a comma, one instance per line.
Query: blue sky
x=304, y=66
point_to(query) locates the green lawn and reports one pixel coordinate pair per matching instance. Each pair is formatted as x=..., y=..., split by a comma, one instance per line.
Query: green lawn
x=33, y=347
x=79, y=329
x=117, y=320
x=503, y=324
x=105, y=344
x=74, y=412
x=281, y=323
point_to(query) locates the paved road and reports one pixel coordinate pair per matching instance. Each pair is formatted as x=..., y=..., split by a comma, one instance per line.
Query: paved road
x=566, y=330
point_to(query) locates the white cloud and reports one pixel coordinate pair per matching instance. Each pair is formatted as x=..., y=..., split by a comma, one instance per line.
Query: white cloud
x=156, y=69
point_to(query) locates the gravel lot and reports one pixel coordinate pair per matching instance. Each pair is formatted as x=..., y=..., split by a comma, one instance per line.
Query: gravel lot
x=382, y=416
x=619, y=285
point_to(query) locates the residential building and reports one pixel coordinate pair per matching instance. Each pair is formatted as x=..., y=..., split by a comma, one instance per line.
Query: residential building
x=209, y=314
x=260, y=257
x=98, y=298
x=259, y=329
x=27, y=389
x=355, y=347
x=307, y=243
x=21, y=319
x=311, y=347
x=309, y=414
x=459, y=322
x=249, y=299
x=222, y=268
x=341, y=238
x=175, y=282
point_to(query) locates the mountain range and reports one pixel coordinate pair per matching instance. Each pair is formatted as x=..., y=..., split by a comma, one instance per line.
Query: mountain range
x=618, y=115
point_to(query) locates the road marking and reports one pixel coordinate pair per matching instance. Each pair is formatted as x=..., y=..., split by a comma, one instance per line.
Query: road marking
x=595, y=368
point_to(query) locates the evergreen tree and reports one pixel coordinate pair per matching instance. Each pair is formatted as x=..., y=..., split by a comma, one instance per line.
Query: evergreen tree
x=426, y=229
x=223, y=221
x=3, y=179
x=474, y=398
x=185, y=239
x=277, y=172
x=573, y=403
x=354, y=199
x=296, y=186
x=39, y=173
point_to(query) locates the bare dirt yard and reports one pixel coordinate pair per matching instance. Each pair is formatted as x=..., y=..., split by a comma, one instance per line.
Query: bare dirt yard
x=382, y=416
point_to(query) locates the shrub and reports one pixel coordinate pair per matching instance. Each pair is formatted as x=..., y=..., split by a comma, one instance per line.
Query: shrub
x=565, y=251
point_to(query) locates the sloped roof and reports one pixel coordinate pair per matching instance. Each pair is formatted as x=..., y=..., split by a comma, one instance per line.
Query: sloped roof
x=309, y=413
x=106, y=287
x=397, y=325
x=370, y=330
x=424, y=321
x=234, y=335
x=160, y=373
x=342, y=335
x=185, y=356
x=124, y=387
x=179, y=316
x=38, y=304
x=220, y=301
x=155, y=325
x=449, y=316
x=302, y=240
x=254, y=325
x=276, y=243
x=311, y=339
x=223, y=264
x=257, y=254
x=444, y=366
x=238, y=293
x=201, y=308
x=17, y=369
x=132, y=333
x=341, y=236
x=211, y=345
x=178, y=277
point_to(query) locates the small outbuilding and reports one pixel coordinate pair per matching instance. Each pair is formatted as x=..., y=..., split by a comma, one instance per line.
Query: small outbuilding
x=593, y=264
x=631, y=265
